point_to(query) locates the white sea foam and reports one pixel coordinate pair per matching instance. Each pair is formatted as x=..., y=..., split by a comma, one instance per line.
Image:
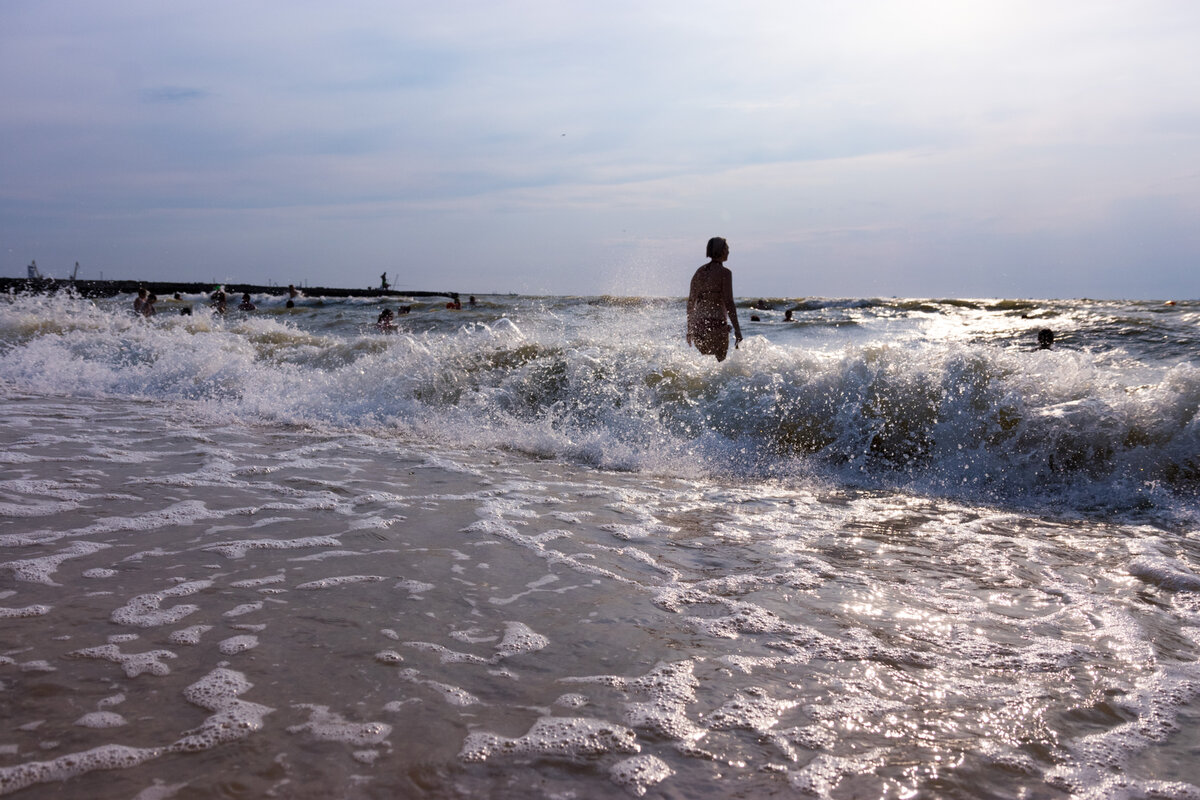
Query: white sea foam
x=237, y=644
x=39, y=570
x=190, y=635
x=28, y=611
x=328, y=726
x=110, y=756
x=101, y=719
x=232, y=719
x=134, y=664
x=519, y=638
x=144, y=611
x=564, y=737
x=254, y=583
x=243, y=609
x=239, y=549
x=640, y=772
x=340, y=580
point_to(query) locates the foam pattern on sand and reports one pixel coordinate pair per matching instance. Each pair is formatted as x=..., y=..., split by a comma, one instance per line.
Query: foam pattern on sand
x=323, y=612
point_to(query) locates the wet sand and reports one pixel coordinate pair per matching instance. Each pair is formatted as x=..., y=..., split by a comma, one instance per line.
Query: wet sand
x=195, y=608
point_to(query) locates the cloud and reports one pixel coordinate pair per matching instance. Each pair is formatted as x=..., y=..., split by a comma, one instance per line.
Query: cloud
x=172, y=94
x=887, y=143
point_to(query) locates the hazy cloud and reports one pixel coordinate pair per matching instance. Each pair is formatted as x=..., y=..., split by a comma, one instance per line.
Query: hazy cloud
x=930, y=147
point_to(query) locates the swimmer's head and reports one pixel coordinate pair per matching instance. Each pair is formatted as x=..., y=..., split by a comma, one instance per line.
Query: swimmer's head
x=1045, y=338
x=717, y=248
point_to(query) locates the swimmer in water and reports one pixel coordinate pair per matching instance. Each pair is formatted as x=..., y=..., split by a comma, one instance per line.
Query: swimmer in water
x=710, y=303
x=1045, y=339
x=246, y=305
x=386, y=322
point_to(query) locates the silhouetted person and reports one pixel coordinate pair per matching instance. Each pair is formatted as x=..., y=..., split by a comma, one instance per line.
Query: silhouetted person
x=1045, y=339
x=710, y=303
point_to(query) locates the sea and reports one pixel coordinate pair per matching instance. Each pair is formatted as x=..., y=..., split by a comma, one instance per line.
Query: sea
x=540, y=548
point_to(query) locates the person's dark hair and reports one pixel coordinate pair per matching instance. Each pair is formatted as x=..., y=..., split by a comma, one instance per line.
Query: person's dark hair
x=716, y=246
x=1045, y=338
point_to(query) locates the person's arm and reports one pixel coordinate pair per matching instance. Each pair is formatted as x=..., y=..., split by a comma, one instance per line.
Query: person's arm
x=731, y=307
x=691, y=309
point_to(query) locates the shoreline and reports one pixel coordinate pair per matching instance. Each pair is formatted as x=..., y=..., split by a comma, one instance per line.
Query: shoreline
x=110, y=288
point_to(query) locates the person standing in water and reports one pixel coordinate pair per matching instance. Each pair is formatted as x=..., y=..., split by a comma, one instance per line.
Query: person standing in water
x=710, y=302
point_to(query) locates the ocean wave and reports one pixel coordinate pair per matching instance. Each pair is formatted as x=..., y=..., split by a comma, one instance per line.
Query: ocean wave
x=612, y=385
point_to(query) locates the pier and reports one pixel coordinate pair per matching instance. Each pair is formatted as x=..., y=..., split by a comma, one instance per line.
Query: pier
x=110, y=288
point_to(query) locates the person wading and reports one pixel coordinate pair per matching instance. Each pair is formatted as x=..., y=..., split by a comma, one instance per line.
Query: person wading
x=710, y=303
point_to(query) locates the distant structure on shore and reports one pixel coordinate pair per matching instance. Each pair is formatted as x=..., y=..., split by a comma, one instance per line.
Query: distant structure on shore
x=37, y=283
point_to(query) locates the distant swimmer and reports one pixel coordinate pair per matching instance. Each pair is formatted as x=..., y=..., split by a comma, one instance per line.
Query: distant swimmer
x=386, y=322
x=471, y=301
x=293, y=292
x=1045, y=339
x=710, y=303
x=218, y=301
x=787, y=316
x=139, y=302
x=246, y=304
x=148, y=309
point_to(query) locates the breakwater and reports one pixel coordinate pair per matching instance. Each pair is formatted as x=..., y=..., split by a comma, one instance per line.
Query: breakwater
x=110, y=288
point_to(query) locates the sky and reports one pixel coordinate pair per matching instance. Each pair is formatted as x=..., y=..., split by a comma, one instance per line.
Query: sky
x=913, y=148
